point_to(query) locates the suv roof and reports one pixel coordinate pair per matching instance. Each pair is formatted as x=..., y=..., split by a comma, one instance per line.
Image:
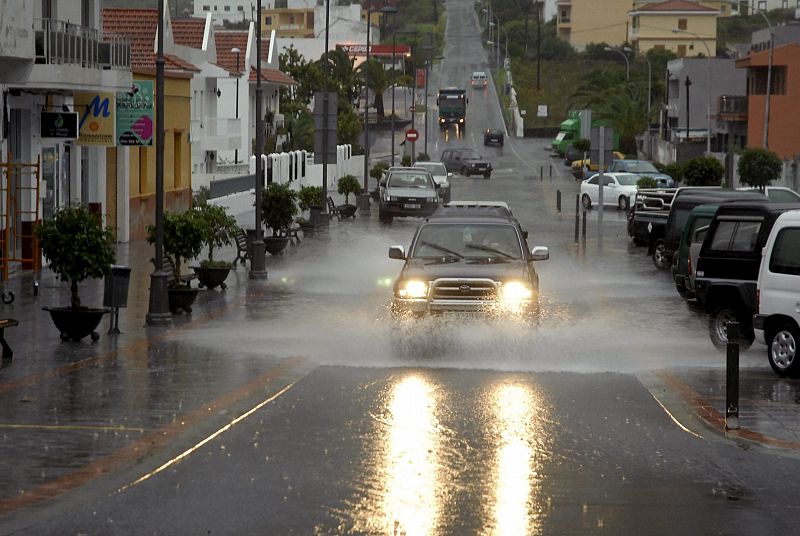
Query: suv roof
x=766, y=207
x=712, y=196
x=471, y=212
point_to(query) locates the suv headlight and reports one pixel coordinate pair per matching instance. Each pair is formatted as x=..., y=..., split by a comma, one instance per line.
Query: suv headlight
x=515, y=292
x=413, y=288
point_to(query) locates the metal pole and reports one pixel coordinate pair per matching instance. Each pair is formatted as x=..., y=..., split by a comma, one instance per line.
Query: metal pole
x=238, y=74
x=394, y=45
x=558, y=200
x=732, y=377
x=600, y=181
x=366, y=110
x=427, y=74
x=538, y=45
x=257, y=263
x=577, y=215
x=769, y=89
x=414, y=113
x=688, y=83
x=158, y=305
x=497, y=45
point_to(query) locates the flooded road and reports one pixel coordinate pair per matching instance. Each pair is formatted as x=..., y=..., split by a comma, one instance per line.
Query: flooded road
x=298, y=406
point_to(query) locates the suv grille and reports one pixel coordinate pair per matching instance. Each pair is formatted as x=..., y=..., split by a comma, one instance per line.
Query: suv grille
x=464, y=289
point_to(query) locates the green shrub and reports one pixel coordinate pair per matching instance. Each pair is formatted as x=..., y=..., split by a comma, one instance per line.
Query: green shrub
x=703, y=171
x=646, y=182
x=348, y=184
x=183, y=238
x=278, y=206
x=310, y=196
x=674, y=170
x=759, y=167
x=405, y=161
x=377, y=170
x=219, y=229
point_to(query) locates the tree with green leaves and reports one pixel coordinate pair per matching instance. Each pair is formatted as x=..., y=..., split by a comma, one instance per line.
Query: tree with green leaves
x=348, y=124
x=703, y=171
x=374, y=76
x=348, y=184
x=759, y=167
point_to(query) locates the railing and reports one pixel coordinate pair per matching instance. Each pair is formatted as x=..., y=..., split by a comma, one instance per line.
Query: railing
x=59, y=42
x=732, y=104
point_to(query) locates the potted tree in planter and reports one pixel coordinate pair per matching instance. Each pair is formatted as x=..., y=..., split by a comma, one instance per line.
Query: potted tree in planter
x=310, y=198
x=219, y=228
x=183, y=240
x=76, y=247
x=278, y=209
x=348, y=184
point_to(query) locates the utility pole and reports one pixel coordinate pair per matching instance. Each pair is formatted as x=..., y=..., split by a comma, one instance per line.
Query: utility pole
x=687, y=83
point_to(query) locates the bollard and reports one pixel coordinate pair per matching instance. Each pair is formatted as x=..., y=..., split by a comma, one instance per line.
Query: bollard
x=551, y=171
x=541, y=173
x=558, y=200
x=577, y=215
x=584, y=227
x=732, y=378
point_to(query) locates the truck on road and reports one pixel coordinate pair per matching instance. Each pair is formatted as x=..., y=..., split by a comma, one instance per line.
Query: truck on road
x=452, y=104
x=570, y=131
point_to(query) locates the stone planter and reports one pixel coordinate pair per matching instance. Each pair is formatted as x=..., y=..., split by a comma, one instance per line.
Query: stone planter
x=75, y=324
x=181, y=299
x=212, y=277
x=275, y=244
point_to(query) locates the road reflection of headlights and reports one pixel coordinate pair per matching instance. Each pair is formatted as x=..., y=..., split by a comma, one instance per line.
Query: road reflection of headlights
x=515, y=292
x=413, y=289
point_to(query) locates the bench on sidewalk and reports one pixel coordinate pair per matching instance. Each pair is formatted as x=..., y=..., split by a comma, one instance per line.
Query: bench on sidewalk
x=6, y=323
x=169, y=268
x=241, y=247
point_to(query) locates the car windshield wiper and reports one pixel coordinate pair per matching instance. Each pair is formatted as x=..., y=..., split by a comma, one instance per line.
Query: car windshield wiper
x=486, y=260
x=441, y=248
x=490, y=249
x=443, y=260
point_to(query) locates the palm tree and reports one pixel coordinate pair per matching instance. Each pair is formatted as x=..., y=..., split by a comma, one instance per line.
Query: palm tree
x=625, y=107
x=340, y=66
x=373, y=76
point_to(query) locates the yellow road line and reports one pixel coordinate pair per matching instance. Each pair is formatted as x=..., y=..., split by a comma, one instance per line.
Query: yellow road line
x=70, y=427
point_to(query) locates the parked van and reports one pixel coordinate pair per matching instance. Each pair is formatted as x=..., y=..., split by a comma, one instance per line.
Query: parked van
x=728, y=265
x=479, y=79
x=778, y=295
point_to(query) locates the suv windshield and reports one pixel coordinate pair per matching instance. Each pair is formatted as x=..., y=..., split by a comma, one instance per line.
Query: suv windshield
x=467, y=240
x=409, y=179
x=628, y=180
x=637, y=166
x=434, y=168
x=470, y=154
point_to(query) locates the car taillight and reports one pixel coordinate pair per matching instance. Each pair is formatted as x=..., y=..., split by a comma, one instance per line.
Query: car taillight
x=689, y=266
x=758, y=300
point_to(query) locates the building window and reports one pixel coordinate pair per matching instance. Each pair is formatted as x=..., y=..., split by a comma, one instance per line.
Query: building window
x=762, y=5
x=757, y=81
x=267, y=21
x=564, y=15
x=239, y=8
x=206, y=8
x=722, y=9
x=681, y=24
x=681, y=51
x=785, y=4
x=291, y=19
x=227, y=8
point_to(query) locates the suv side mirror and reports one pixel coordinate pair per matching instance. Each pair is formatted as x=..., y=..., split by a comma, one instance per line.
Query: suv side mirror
x=397, y=252
x=540, y=253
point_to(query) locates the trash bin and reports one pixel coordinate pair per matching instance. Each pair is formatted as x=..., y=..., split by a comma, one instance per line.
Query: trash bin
x=115, y=293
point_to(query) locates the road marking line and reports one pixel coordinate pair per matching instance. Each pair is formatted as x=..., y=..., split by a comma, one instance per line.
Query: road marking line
x=76, y=427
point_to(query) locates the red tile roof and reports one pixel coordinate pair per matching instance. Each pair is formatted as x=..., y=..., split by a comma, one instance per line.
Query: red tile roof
x=140, y=26
x=227, y=40
x=189, y=32
x=274, y=76
x=676, y=5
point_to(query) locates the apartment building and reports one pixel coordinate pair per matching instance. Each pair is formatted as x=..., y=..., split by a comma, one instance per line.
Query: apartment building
x=686, y=28
x=226, y=10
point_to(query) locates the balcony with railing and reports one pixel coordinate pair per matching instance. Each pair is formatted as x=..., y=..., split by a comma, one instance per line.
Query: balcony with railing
x=71, y=56
x=732, y=108
x=216, y=134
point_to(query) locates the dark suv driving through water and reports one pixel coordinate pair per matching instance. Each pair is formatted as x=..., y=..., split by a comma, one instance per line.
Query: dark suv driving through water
x=468, y=259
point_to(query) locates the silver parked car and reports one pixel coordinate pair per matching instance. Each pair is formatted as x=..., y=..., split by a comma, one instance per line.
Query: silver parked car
x=440, y=175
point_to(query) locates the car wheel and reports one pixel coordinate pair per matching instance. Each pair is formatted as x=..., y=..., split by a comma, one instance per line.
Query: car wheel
x=718, y=327
x=465, y=171
x=487, y=175
x=384, y=218
x=659, y=256
x=782, y=350
x=501, y=143
x=682, y=290
x=586, y=201
x=623, y=203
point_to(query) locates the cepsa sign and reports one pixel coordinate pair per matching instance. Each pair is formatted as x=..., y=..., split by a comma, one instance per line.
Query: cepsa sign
x=97, y=123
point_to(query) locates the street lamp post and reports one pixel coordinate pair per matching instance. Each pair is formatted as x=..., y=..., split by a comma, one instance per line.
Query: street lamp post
x=258, y=268
x=364, y=200
x=708, y=85
x=625, y=57
x=238, y=74
x=497, y=43
x=158, y=305
x=394, y=46
x=765, y=138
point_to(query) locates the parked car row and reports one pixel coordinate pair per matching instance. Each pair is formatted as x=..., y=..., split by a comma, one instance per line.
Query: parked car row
x=737, y=254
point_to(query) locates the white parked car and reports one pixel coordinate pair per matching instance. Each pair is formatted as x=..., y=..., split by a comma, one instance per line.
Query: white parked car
x=619, y=189
x=777, y=319
x=440, y=175
x=479, y=79
x=778, y=194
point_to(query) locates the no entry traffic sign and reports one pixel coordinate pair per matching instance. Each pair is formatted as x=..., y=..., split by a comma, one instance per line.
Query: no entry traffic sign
x=412, y=135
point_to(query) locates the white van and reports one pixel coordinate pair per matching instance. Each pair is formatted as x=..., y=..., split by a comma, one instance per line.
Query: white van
x=778, y=297
x=479, y=79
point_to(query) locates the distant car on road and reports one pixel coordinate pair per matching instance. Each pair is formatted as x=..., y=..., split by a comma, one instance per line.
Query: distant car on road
x=467, y=162
x=407, y=192
x=493, y=136
x=643, y=168
x=440, y=174
x=618, y=190
x=479, y=79
x=468, y=259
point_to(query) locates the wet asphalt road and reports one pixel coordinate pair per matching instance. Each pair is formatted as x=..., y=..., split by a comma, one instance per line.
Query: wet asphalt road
x=297, y=407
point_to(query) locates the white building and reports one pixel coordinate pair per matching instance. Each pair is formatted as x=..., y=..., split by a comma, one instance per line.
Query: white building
x=226, y=10
x=54, y=59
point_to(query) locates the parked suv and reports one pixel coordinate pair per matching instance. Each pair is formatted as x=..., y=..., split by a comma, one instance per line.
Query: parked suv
x=407, y=192
x=467, y=162
x=728, y=265
x=778, y=293
x=468, y=259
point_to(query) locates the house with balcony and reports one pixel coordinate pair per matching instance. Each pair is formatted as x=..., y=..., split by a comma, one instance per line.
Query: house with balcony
x=724, y=97
x=580, y=22
x=784, y=114
x=59, y=74
x=686, y=28
x=140, y=26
